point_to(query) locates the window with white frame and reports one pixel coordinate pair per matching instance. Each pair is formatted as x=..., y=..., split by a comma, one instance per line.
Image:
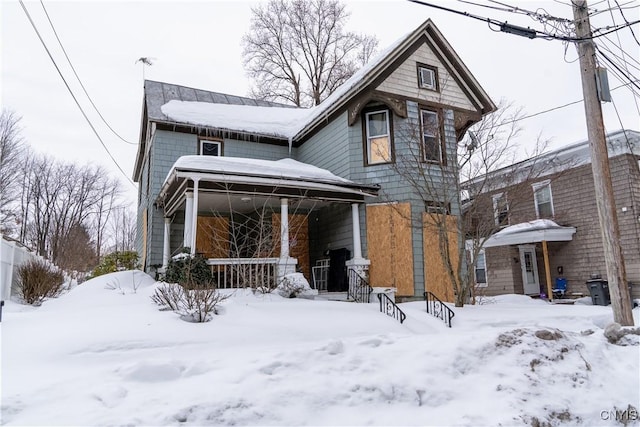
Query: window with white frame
x=543, y=199
x=427, y=77
x=479, y=264
x=210, y=148
x=430, y=129
x=378, y=137
x=480, y=270
x=501, y=209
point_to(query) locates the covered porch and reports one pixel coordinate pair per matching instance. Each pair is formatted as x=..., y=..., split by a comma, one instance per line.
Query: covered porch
x=254, y=220
x=525, y=237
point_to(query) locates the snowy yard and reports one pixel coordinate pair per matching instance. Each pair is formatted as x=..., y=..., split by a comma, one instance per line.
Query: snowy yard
x=105, y=356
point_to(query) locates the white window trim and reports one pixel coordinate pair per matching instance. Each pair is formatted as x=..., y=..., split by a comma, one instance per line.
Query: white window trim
x=496, y=214
x=209, y=141
x=424, y=85
x=435, y=135
x=370, y=137
x=537, y=186
x=469, y=247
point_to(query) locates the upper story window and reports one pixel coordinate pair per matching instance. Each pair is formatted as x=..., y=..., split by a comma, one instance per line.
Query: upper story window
x=543, y=199
x=437, y=207
x=210, y=148
x=427, y=77
x=378, y=137
x=430, y=130
x=501, y=209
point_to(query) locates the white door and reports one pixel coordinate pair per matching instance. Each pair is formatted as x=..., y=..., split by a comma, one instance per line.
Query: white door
x=529, y=270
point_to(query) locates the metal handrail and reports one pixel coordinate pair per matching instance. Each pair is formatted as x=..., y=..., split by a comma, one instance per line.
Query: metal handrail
x=359, y=289
x=389, y=307
x=438, y=309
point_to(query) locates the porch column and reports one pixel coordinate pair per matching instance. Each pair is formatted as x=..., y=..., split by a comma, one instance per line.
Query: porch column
x=188, y=216
x=284, y=228
x=166, y=251
x=286, y=264
x=194, y=217
x=357, y=264
x=357, y=245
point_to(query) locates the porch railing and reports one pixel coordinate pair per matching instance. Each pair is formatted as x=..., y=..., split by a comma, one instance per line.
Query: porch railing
x=438, y=309
x=359, y=289
x=389, y=307
x=244, y=272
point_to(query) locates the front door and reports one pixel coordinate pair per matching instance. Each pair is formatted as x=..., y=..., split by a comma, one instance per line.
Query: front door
x=530, y=279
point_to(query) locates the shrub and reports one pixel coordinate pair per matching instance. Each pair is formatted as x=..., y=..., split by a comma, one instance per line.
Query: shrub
x=117, y=261
x=192, y=302
x=38, y=280
x=189, y=269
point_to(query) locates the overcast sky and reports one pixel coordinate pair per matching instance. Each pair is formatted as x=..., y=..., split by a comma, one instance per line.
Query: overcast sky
x=197, y=44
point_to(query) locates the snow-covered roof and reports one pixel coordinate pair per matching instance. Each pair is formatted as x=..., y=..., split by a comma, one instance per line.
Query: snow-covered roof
x=293, y=123
x=622, y=141
x=283, y=168
x=271, y=121
x=531, y=232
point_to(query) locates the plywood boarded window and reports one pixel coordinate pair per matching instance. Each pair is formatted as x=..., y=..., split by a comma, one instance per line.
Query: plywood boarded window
x=212, y=238
x=436, y=276
x=378, y=135
x=390, y=249
x=298, y=240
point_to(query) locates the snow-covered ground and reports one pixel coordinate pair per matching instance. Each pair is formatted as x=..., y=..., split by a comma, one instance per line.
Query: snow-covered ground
x=103, y=354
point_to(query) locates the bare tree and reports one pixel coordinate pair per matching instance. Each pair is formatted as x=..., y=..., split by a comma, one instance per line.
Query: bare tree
x=122, y=224
x=12, y=148
x=63, y=201
x=453, y=211
x=299, y=52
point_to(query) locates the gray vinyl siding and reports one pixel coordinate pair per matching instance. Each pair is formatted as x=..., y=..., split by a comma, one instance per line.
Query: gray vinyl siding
x=166, y=148
x=329, y=148
x=254, y=150
x=404, y=81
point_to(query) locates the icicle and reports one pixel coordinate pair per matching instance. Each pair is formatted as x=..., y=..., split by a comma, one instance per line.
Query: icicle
x=290, y=145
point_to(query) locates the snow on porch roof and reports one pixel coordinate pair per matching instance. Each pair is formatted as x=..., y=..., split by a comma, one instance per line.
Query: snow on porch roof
x=257, y=168
x=531, y=232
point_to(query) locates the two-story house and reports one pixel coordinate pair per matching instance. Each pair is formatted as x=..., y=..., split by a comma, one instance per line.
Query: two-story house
x=552, y=214
x=273, y=189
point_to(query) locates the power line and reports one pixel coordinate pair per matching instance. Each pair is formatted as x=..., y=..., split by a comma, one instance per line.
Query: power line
x=625, y=20
x=553, y=109
x=71, y=92
x=78, y=77
x=529, y=32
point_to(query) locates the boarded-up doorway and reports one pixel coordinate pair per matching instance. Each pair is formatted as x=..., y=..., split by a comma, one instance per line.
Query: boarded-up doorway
x=436, y=277
x=389, y=245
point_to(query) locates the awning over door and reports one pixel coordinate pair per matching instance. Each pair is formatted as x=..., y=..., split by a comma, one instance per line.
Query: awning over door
x=531, y=232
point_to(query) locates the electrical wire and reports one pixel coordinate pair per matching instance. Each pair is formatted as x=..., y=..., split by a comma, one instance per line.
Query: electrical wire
x=35, y=28
x=625, y=20
x=598, y=32
x=617, y=67
x=553, y=109
x=78, y=77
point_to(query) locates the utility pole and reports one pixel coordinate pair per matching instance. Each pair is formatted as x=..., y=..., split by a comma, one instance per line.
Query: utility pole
x=616, y=275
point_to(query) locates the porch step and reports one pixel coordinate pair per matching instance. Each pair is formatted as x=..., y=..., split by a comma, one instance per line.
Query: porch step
x=333, y=296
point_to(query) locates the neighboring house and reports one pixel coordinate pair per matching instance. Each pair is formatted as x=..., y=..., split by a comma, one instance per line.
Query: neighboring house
x=276, y=189
x=556, y=208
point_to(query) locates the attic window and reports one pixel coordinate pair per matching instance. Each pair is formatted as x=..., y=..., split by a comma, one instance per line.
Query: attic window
x=427, y=77
x=210, y=148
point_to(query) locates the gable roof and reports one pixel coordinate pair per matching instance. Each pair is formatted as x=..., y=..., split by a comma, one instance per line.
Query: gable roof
x=179, y=104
